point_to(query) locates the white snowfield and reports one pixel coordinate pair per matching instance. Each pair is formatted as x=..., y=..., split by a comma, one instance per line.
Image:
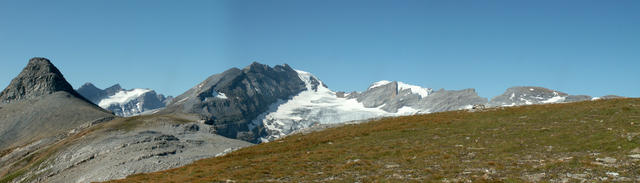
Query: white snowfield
x=122, y=97
x=317, y=107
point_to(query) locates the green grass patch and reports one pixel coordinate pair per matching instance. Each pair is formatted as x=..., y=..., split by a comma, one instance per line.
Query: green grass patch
x=12, y=176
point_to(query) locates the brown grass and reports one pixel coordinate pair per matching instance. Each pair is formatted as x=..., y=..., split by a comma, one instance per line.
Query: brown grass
x=501, y=144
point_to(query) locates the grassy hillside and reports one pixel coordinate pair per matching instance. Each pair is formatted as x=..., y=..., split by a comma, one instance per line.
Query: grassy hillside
x=587, y=140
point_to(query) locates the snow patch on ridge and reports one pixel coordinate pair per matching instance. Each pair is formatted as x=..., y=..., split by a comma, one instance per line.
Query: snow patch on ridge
x=123, y=97
x=221, y=95
x=555, y=99
x=423, y=92
x=379, y=83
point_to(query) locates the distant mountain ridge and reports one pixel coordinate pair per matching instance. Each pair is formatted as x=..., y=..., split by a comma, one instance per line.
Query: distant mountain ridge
x=124, y=102
x=260, y=103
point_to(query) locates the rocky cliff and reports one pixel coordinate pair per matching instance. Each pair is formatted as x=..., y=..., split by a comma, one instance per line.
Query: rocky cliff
x=231, y=100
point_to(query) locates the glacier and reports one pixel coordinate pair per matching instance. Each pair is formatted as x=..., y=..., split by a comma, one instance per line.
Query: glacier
x=122, y=97
x=318, y=105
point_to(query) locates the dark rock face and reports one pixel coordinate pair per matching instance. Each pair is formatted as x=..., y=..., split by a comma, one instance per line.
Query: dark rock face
x=112, y=90
x=91, y=93
x=231, y=100
x=38, y=78
x=165, y=100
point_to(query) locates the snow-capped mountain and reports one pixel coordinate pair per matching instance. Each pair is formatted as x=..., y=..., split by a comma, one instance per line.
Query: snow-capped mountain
x=231, y=100
x=124, y=102
x=319, y=105
x=527, y=95
x=260, y=103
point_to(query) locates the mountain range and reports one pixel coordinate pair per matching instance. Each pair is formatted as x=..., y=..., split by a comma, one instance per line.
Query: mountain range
x=259, y=103
x=51, y=132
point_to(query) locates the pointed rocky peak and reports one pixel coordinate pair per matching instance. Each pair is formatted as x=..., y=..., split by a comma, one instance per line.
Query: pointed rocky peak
x=113, y=89
x=88, y=86
x=40, y=77
x=91, y=92
x=283, y=67
x=256, y=67
x=286, y=66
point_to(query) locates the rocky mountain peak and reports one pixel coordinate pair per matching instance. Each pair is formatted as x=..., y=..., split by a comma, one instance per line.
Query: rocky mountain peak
x=112, y=90
x=40, y=77
x=257, y=67
x=526, y=95
x=231, y=100
x=115, y=87
x=88, y=86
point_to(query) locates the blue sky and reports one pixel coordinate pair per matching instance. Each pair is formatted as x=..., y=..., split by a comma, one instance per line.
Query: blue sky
x=579, y=47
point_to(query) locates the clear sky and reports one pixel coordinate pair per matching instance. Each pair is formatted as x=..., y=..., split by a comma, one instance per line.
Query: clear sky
x=579, y=47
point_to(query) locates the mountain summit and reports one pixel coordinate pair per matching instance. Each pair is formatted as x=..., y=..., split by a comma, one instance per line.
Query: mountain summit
x=231, y=100
x=95, y=94
x=39, y=103
x=38, y=78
